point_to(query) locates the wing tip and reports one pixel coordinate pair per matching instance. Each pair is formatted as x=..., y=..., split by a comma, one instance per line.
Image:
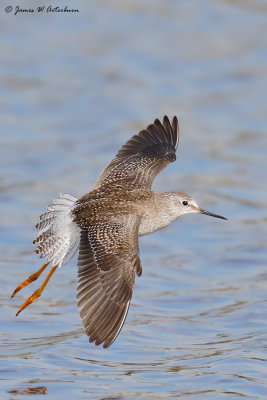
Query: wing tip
x=172, y=129
x=108, y=336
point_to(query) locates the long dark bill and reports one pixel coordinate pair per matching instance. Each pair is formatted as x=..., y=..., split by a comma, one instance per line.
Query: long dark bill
x=201, y=211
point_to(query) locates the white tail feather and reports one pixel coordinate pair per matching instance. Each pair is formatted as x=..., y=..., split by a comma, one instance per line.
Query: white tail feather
x=59, y=236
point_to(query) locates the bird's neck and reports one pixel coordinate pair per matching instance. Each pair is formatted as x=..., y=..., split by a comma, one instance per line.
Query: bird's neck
x=161, y=211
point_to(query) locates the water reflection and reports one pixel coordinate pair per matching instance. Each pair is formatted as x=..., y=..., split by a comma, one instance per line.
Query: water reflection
x=29, y=390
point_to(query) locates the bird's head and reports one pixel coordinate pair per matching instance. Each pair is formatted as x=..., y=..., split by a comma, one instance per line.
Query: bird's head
x=185, y=204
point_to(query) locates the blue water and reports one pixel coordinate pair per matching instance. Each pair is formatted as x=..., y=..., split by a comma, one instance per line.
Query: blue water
x=74, y=88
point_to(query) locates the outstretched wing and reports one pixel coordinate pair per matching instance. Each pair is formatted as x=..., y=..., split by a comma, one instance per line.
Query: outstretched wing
x=107, y=264
x=144, y=155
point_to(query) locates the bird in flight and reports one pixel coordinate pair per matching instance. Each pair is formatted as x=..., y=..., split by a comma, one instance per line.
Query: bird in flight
x=104, y=226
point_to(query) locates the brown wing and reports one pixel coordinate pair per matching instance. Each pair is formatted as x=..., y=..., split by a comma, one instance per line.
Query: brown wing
x=107, y=264
x=144, y=155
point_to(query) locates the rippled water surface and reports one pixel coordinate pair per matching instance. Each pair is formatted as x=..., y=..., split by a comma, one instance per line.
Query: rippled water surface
x=74, y=88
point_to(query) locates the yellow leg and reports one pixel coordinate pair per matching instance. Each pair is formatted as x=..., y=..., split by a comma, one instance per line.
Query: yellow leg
x=37, y=292
x=31, y=279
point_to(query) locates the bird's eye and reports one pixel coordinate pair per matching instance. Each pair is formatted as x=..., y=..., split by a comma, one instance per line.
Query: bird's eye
x=185, y=203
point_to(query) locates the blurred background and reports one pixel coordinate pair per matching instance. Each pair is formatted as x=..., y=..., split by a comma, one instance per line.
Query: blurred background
x=74, y=87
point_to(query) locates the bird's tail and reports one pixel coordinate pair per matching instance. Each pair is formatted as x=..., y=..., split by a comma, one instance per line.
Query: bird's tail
x=58, y=239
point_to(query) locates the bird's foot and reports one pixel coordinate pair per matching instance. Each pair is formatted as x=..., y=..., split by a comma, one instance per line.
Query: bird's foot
x=37, y=292
x=31, y=279
x=30, y=300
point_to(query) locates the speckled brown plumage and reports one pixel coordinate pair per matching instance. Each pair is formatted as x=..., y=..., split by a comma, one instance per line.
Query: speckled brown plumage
x=109, y=218
x=144, y=155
